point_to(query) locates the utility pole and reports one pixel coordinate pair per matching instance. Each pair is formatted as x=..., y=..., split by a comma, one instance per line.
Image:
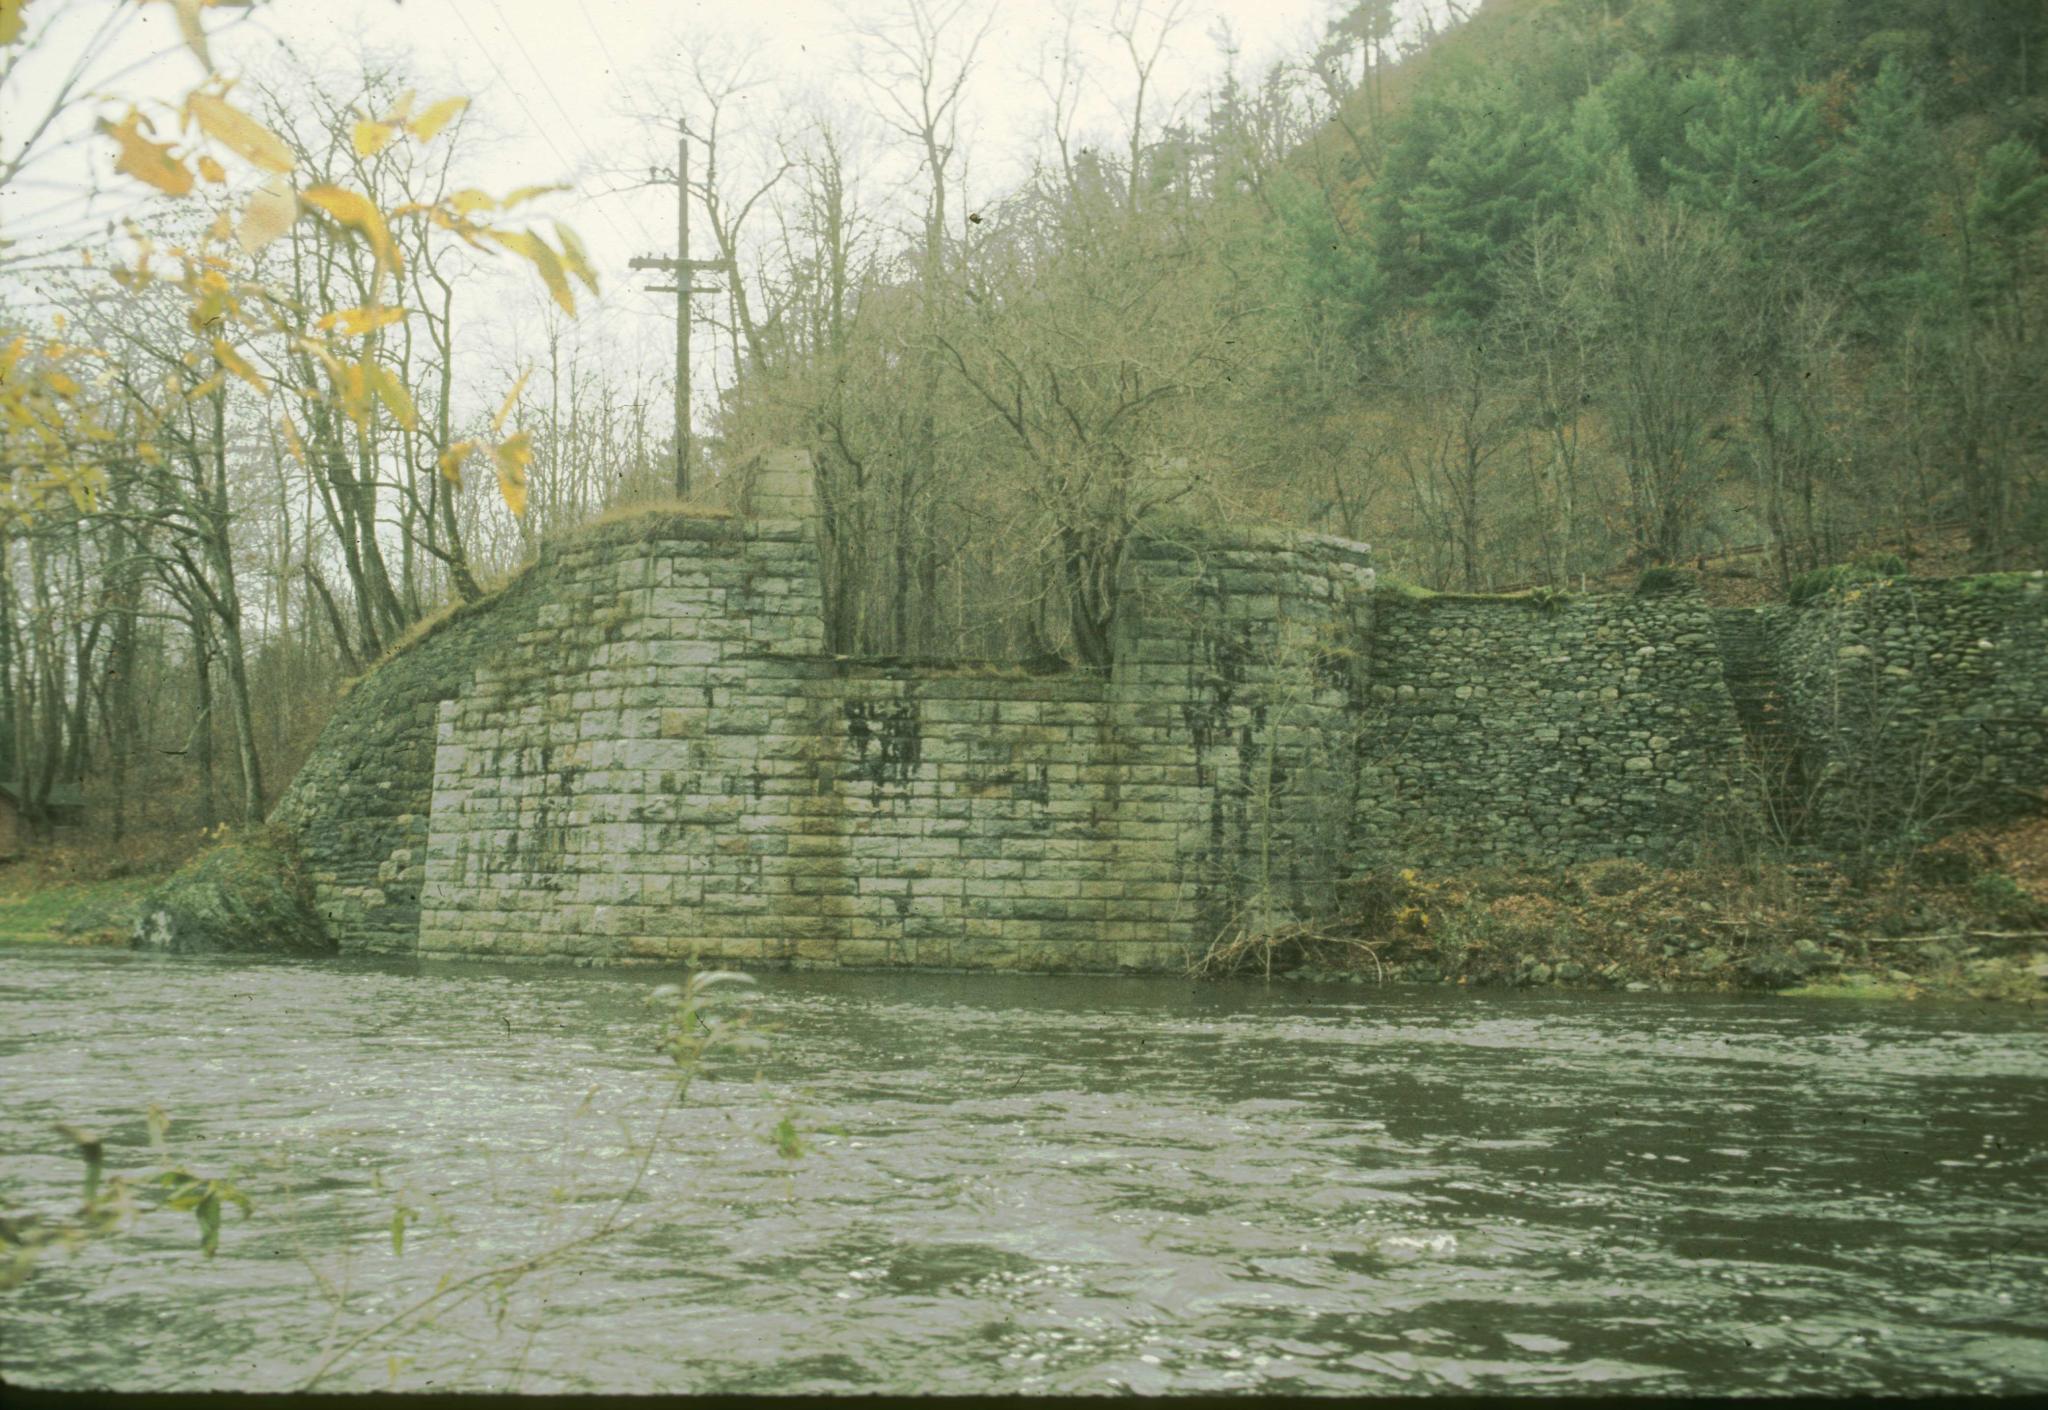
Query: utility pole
x=684, y=268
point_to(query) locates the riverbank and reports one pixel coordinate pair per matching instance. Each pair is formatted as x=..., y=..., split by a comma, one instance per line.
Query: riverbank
x=38, y=907
x=1963, y=919
x=87, y=893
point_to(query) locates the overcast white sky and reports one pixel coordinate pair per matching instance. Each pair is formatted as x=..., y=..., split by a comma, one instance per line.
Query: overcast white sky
x=555, y=80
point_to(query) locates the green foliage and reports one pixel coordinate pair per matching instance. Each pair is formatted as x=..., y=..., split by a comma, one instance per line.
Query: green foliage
x=789, y=1142
x=2007, y=209
x=32, y=911
x=1402, y=588
x=1750, y=155
x=1640, y=112
x=1816, y=584
x=110, y=1203
x=1470, y=172
x=1871, y=210
x=2031, y=528
x=1328, y=271
x=697, y=1022
x=1999, y=896
x=1825, y=582
x=1985, y=583
x=247, y=894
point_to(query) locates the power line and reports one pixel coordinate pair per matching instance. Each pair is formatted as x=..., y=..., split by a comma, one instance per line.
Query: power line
x=549, y=89
x=598, y=35
x=604, y=314
x=607, y=314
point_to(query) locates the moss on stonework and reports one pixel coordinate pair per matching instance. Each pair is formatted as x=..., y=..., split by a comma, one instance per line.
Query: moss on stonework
x=1987, y=584
x=246, y=896
x=651, y=525
x=1545, y=600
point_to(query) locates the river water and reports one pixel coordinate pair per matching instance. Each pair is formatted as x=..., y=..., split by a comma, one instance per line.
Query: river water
x=1049, y=1185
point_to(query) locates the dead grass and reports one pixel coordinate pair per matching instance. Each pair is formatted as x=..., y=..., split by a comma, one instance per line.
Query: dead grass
x=667, y=507
x=1945, y=925
x=86, y=894
x=2018, y=849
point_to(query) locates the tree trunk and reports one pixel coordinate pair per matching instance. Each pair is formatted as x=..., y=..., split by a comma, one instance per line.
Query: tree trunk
x=202, y=724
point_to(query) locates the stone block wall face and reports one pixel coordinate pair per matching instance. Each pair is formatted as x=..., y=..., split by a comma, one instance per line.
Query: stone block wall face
x=1242, y=659
x=1002, y=821
x=1919, y=695
x=663, y=767
x=630, y=780
x=1502, y=732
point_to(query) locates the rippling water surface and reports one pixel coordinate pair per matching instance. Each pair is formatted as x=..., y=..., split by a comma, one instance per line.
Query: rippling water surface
x=1035, y=1185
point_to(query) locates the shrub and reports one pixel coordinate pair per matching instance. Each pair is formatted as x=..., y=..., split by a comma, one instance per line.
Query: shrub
x=1657, y=581
x=246, y=895
x=1864, y=568
x=1999, y=895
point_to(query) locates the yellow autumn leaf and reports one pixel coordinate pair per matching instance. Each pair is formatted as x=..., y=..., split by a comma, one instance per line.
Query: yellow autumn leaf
x=427, y=126
x=451, y=461
x=62, y=385
x=206, y=388
x=512, y=457
x=372, y=137
x=511, y=400
x=146, y=160
x=212, y=170
x=531, y=247
x=188, y=25
x=240, y=133
x=400, y=110
x=237, y=364
x=575, y=257
x=527, y=193
x=354, y=322
x=358, y=212
x=269, y=214
x=10, y=20
x=291, y=439
x=469, y=200
x=314, y=347
x=384, y=382
x=209, y=308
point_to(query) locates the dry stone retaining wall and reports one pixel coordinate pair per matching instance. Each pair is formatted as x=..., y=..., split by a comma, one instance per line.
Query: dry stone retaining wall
x=1917, y=696
x=358, y=807
x=1521, y=731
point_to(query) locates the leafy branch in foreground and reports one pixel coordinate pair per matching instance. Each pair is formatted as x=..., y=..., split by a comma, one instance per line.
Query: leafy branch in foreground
x=111, y=1203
